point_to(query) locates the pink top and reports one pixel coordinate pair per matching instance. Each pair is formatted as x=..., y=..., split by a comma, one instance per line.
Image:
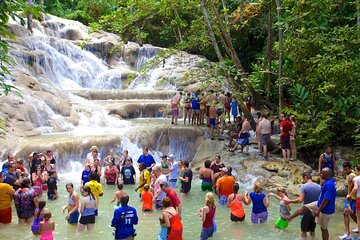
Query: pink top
x=46, y=235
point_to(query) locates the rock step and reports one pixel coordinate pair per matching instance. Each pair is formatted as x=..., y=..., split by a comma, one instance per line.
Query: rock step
x=91, y=94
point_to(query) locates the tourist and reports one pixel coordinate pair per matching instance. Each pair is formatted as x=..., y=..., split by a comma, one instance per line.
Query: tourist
x=159, y=178
x=127, y=175
x=118, y=194
x=265, y=132
x=20, y=165
x=206, y=174
x=285, y=208
x=309, y=192
x=234, y=202
x=233, y=131
x=50, y=156
x=216, y=166
x=147, y=159
x=181, y=173
x=293, y=137
x=85, y=174
x=39, y=215
x=207, y=215
x=172, y=220
x=52, y=192
x=13, y=177
x=49, y=167
x=96, y=168
x=9, y=159
x=88, y=206
x=285, y=128
x=26, y=201
x=165, y=165
x=96, y=189
x=327, y=159
x=175, y=105
x=112, y=157
x=37, y=180
x=187, y=108
x=258, y=133
x=34, y=162
x=260, y=203
x=6, y=194
x=234, y=107
x=124, y=156
x=202, y=103
x=186, y=179
x=195, y=105
x=72, y=207
x=210, y=100
x=243, y=137
x=90, y=157
x=144, y=178
x=248, y=103
x=213, y=123
x=224, y=185
x=163, y=234
x=228, y=105
x=356, y=190
x=147, y=199
x=111, y=173
x=324, y=208
x=125, y=217
x=47, y=226
x=172, y=196
x=174, y=169
x=349, y=204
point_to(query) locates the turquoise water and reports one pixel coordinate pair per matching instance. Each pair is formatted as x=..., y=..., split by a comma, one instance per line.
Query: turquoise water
x=148, y=226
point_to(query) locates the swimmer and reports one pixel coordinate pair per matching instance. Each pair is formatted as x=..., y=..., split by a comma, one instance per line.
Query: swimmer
x=118, y=194
x=73, y=205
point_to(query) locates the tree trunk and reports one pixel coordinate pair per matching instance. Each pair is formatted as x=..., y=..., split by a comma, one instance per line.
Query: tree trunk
x=177, y=25
x=225, y=13
x=280, y=71
x=358, y=14
x=227, y=38
x=269, y=53
x=29, y=14
x=211, y=31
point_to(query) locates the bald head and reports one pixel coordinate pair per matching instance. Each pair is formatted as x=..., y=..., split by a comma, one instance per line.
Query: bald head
x=326, y=173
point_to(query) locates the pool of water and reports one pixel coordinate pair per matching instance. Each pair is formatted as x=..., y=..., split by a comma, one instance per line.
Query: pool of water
x=148, y=226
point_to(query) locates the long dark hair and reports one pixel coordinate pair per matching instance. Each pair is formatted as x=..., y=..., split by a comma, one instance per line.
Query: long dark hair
x=41, y=204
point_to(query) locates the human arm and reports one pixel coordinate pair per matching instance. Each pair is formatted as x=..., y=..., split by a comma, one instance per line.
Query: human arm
x=179, y=209
x=300, y=199
x=166, y=220
x=354, y=189
x=322, y=205
x=320, y=162
x=203, y=212
x=266, y=201
x=229, y=200
x=36, y=201
x=82, y=206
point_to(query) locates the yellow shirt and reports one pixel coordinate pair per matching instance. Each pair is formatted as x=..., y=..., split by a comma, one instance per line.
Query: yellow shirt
x=5, y=198
x=96, y=188
x=144, y=178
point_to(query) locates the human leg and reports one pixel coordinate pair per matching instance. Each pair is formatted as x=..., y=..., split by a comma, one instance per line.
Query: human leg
x=81, y=227
x=90, y=226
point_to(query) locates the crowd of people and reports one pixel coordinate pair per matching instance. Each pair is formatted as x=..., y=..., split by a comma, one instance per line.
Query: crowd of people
x=158, y=187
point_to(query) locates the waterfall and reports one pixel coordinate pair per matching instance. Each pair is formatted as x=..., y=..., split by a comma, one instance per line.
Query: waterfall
x=144, y=54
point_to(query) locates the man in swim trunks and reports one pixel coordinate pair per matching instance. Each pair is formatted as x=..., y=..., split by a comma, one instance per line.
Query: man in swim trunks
x=265, y=131
x=243, y=137
x=224, y=186
x=195, y=105
x=213, y=123
x=285, y=128
x=175, y=105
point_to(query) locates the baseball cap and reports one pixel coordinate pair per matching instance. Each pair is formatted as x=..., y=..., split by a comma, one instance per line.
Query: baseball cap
x=171, y=156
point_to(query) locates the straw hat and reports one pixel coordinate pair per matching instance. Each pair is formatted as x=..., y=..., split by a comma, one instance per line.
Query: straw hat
x=93, y=148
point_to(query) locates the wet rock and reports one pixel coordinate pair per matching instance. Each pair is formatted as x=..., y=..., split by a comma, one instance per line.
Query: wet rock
x=71, y=34
x=138, y=110
x=18, y=30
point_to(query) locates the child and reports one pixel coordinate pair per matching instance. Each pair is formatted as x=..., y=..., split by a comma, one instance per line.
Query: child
x=85, y=174
x=52, y=187
x=207, y=215
x=47, y=226
x=285, y=209
x=163, y=229
x=146, y=198
x=118, y=194
x=39, y=214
